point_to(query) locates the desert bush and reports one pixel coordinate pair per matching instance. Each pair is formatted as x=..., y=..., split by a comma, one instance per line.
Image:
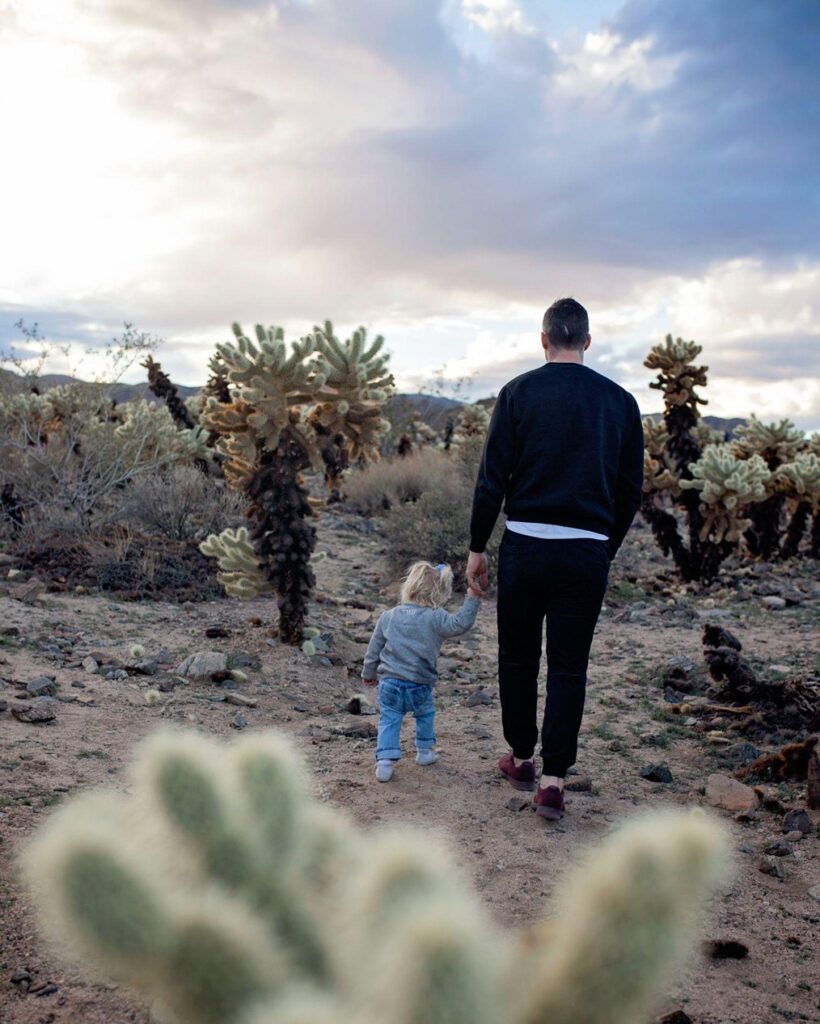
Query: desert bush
x=181, y=503
x=69, y=452
x=755, y=494
x=220, y=889
x=319, y=404
x=389, y=483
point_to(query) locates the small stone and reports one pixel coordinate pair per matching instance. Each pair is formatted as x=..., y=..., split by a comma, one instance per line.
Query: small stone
x=579, y=784
x=657, y=773
x=144, y=668
x=675, y=1017
x=779, y=848
x=26, y=592
x=241, y=700
x=746, y=848
x=479, y=696
x=793, y=837
x=10, y=631
x=796, y=820
x=725, y=949
x=217, y=632
x=90, y=665
x=814, y=892
x=34, y=714
x=203, y=664
x=238, y=721
x=42, y=686
x=615, y=745
x=726, y=792
x=359, y=730
x=774, y=604
x=772, y=866
x=517, y=803
x=15, y=574
x=743, y=753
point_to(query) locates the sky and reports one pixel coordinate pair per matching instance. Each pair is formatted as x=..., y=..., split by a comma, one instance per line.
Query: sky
x=438, y=170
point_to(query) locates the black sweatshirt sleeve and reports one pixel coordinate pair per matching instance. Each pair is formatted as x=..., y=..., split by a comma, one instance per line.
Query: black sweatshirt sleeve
x=630, y=483
x=493, y=473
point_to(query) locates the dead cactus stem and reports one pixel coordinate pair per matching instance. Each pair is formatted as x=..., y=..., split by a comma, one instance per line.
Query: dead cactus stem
x=283, y=539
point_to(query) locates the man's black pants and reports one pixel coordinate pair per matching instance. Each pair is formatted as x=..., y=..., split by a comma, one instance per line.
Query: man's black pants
x=563, y=581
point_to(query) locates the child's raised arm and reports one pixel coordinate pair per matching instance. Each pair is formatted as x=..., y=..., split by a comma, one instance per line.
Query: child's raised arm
x=374, y=649
x=456, y=623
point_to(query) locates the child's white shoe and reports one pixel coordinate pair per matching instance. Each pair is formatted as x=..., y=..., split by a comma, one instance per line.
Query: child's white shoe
x=384, y=771
x=426, y=757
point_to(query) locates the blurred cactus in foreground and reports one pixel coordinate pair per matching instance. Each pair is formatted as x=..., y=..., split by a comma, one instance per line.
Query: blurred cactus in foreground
x=317, y=404
x=221, y=891
x=755, y=493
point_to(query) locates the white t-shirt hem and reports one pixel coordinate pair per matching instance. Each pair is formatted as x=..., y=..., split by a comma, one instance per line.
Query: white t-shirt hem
x=551, y=531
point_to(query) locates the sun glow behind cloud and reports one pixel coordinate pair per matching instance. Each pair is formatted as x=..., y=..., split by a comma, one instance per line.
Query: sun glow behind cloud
x=439, y=170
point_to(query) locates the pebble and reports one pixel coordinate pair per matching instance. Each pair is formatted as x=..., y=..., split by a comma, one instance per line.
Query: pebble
x=779, y=848
x=775, y=604
x=517, y=803
x=42, y=686
x=579, y=784
x=796, y=820
x=241, y=700
x=238, y=721
x=657, y=773
x=793, y=837
x=479, y=697
x=772, y=866
x=90, y=665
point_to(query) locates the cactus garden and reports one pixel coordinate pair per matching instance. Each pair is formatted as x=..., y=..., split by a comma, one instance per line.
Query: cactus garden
x=190, y=827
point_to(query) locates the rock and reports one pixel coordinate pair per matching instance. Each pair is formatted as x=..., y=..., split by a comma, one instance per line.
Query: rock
x=34, y=714
x=241, y=700
x=796, y=820
x=26, y=592
x=657, y=773
x=814, y=892
x=725, y=949
x=202, y=665
x=772, y=866
x=579, y=784
x=3, y=705
x=238, y=721
x=615, y=745
x=143, y=668
x=359, y=730
x=42, y=686
x=793, y=837
x=774, y=604
x=217, y=632
x=675, y=1017
x=517, y=803
x=779, y=848
x=10, y=631
x=743, y=753
x=746, y=848
x=90, y=665
x=726, y=792
x=479, y=696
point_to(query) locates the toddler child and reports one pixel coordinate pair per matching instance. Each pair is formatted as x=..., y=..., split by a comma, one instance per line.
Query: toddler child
x=404, y=650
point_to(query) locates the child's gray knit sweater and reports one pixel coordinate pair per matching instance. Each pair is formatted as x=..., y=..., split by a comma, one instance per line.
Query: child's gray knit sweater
x=407, y=639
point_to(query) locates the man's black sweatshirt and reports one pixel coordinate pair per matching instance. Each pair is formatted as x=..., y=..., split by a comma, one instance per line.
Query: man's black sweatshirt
x=565, y=446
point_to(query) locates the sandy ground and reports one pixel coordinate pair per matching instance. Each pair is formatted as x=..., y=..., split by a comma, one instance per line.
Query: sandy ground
x=515, y=859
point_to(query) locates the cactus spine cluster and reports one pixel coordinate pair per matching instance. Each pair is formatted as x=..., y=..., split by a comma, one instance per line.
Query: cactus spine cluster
x=317, y=404
x=220, y=891
x=755, y=493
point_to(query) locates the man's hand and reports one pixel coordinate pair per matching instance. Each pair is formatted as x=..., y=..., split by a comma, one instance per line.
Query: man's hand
x=477, y=576
x=370, y=682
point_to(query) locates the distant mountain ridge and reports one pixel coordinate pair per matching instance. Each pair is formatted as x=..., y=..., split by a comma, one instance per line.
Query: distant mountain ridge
x=402, y=407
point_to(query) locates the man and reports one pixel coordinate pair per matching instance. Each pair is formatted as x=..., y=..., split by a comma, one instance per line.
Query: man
x=564, y=452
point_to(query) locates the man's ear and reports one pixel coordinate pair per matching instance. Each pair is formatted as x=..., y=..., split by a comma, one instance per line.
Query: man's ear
x=588, y=342
x=545, y=341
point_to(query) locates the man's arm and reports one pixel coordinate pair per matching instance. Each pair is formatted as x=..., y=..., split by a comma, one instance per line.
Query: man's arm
x=493, y=474
x=630, y=483
x=374, y=649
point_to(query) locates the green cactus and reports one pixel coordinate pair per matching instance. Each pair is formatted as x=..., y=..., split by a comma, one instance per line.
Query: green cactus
x=798, y=482
x=287, y=409
x=217, y=888
x=727, y=487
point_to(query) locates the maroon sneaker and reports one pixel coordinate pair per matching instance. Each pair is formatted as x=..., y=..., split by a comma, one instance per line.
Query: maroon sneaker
x=519, y=776
x=549, y=803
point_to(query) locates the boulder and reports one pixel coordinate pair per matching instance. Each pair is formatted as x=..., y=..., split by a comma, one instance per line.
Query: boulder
x=796, y=820
x=203, y=664
x=726, y=792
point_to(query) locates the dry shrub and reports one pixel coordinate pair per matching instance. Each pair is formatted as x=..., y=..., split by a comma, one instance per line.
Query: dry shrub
x=392, y=482
x=182, y=503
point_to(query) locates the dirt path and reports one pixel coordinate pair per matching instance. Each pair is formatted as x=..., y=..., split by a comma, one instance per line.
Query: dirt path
x=515, y=859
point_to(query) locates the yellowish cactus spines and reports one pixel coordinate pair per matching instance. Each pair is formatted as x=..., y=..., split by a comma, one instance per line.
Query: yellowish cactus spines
x=799, y=479
x=677, y=375
x=240, y=571
x=727, y=486
x=218, y=889
x=775, y=443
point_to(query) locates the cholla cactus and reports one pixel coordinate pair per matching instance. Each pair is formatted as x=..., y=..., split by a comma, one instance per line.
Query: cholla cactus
x=220, y=890
x=799, y=484
x=288, y=410
x=473, y=421
x=160, y=383
x=727, y=486
x=775, y=443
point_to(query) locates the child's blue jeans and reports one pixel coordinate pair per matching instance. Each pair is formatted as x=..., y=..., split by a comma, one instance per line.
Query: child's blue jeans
x=396, y=698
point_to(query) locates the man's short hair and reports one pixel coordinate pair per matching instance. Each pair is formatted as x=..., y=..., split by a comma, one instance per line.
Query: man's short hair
x=566, y=324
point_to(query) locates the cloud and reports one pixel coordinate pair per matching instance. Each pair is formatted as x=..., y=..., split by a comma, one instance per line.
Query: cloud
x=414, y=163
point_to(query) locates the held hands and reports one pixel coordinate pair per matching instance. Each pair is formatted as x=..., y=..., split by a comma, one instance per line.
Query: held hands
x=478, y=578
x=370, y=682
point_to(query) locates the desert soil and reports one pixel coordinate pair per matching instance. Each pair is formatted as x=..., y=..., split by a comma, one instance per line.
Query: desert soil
x=515, y=859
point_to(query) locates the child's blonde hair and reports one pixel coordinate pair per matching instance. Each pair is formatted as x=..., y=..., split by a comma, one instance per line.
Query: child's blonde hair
x=425, y=584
